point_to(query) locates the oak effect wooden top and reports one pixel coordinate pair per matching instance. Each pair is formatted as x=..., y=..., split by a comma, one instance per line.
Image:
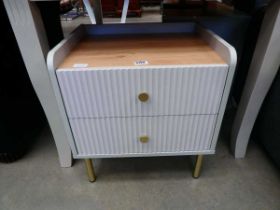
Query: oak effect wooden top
x=154, y=50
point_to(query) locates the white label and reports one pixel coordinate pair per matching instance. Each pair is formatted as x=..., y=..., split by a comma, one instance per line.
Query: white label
x=80, y=65
x=141, y=62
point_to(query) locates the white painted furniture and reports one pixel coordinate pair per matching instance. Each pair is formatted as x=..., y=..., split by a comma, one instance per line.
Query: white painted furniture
x=156, y=109
x=32, y=25
x=264, y=66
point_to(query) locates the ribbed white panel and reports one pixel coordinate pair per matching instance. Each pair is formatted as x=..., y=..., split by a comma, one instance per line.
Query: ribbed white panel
x=113, y=92
x=120, y=136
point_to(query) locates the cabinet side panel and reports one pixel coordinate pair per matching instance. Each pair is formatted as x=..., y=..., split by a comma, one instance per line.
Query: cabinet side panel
x=228, y=53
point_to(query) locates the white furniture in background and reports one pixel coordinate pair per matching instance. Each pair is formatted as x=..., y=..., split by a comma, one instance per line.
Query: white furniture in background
x=142, y=100
x=97, y=5
x=264, y=66
x=31, y=36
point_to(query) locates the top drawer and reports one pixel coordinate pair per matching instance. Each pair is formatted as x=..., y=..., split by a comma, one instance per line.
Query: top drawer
x=108, y=92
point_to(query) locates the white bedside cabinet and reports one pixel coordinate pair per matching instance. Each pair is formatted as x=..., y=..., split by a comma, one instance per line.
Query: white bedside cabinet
x=142, y=90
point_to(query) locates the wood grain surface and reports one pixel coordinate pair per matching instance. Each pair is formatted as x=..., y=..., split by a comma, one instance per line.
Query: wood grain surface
x=152, y=50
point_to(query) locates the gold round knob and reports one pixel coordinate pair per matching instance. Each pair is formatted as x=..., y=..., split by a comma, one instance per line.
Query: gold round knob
x=144, y=139
x=143, y=96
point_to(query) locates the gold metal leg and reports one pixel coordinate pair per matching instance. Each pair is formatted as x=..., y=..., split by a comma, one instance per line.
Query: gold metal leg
x=90, y=170
x=198, y=164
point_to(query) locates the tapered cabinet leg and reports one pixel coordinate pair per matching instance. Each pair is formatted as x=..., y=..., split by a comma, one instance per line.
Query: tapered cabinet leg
x=197, y=168
x=90, y=170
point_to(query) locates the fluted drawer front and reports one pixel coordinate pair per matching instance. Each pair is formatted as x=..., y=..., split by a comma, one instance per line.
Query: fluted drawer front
x=143, y=135
x=115, y=92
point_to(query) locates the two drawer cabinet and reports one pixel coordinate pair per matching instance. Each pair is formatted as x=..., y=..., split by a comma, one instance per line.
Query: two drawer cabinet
x=142, y=90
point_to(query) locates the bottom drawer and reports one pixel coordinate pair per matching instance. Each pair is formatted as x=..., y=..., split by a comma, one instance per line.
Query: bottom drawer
x=121, y=136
